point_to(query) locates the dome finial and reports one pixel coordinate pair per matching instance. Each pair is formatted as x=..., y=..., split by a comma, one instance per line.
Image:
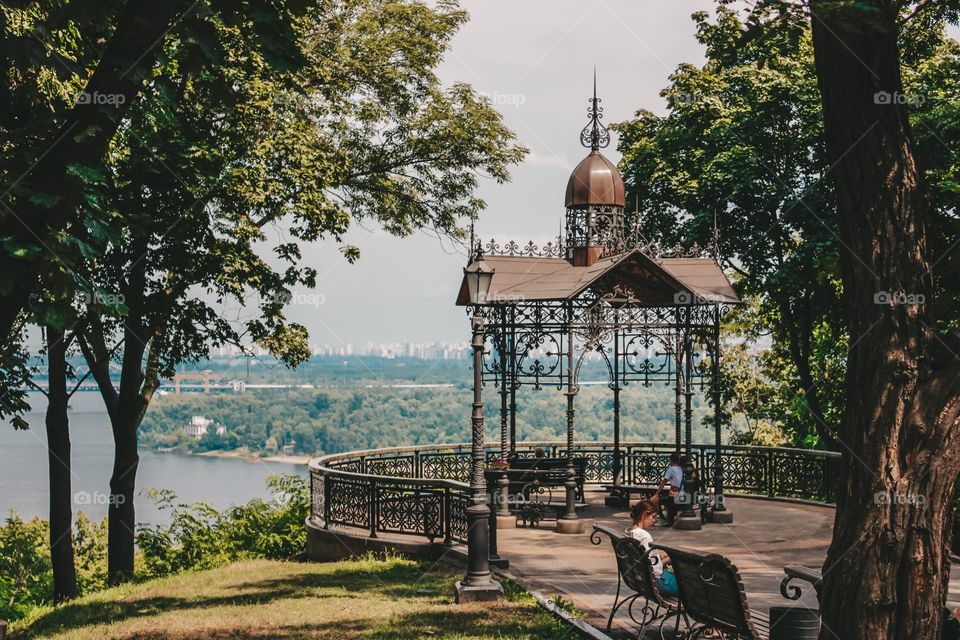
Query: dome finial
x=595, y=135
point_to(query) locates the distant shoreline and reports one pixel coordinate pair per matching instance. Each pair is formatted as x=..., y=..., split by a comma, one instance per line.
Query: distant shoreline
x=240, y=454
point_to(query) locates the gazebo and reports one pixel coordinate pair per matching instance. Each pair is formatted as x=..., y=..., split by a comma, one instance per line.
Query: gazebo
x=651, y=314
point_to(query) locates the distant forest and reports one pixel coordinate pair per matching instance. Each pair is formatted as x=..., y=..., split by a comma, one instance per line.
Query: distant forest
x=355, y=407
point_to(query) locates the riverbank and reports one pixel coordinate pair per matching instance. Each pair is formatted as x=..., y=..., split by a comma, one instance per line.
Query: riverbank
x=244, y=454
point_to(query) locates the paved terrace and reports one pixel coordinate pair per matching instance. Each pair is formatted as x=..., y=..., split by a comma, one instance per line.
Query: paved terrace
x=765, y=536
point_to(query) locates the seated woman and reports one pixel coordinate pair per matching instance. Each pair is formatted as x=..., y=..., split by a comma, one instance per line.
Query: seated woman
x=644, y=514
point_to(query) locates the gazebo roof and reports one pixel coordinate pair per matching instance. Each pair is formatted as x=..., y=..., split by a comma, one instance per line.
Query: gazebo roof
x=518, y=279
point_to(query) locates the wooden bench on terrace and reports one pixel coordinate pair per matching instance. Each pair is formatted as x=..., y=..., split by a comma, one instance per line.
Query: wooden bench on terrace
x=712, y=594
x=635, y=571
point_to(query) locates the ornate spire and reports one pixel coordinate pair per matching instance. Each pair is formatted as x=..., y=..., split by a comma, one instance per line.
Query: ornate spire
x=595, y=135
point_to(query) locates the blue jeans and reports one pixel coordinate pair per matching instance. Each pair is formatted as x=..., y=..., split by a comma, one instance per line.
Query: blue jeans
x=667, y=583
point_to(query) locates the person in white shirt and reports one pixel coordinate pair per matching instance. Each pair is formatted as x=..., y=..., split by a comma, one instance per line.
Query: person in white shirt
x=673, y=478
x=644, y=514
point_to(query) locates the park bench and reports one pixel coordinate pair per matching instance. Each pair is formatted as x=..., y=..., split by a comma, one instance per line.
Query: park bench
x=712, y=594
x=533, y=501
x=621, y=495
x=550, y=472
x=799, y=572
x=636, y=572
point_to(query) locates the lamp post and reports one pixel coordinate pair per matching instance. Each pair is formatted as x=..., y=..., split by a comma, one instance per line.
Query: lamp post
x=478, y=584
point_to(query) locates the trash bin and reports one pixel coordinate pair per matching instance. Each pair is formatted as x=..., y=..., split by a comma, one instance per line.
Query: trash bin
x=794, y=623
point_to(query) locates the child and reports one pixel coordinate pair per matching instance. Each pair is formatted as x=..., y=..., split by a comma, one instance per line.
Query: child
x=644, y=514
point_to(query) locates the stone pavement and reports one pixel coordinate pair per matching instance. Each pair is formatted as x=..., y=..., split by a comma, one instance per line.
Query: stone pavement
x=765, y=536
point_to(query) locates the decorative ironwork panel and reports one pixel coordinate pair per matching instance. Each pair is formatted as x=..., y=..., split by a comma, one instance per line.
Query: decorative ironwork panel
x=798, y=476
x=410, y=508
x=449, y=466
x=398, y=466
x=599, y=468
x=530, y=250
x=349, y=501
x=647, y=464
x=316, y=494
x=746, y=471
x=457, y=515
x=353, y=465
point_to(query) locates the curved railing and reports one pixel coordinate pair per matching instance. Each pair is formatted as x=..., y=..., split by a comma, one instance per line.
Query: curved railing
x=423, y=490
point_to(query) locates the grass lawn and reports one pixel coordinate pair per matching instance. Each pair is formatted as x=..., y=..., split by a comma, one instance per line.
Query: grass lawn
x=373, y=599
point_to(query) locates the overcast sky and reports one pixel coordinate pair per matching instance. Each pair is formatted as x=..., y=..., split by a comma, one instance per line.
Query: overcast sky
x=535, y=58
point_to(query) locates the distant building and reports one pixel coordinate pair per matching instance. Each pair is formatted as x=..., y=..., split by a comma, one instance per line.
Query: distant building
x=200, y=426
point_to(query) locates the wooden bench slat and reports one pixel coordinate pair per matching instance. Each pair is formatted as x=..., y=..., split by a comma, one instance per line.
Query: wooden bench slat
x=712, y=592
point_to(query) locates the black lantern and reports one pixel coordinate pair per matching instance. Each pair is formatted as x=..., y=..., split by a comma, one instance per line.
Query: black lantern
x=479, y=277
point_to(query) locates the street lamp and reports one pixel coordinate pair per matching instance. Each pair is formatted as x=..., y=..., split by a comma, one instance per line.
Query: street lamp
x=479, y=276
x=478, y=584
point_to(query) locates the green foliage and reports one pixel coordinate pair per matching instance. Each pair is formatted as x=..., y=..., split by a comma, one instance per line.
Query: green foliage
x=223, y=153
x=360, y=418
x=26, y=578
x=200, y=537
x=742, y=144
x=90, y=552
x=196, y=537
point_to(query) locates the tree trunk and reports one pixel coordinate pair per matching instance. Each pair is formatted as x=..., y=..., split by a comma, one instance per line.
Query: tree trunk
x=58, y=455
x=121, y=515
x=886, y=571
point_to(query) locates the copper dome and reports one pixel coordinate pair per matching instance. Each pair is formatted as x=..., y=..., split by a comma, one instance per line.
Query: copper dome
x=595, y=181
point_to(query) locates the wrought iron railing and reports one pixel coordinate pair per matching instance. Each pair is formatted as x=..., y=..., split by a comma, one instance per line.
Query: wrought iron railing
x=423, y=491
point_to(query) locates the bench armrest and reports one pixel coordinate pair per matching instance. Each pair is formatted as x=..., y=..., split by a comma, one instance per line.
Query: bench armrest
x=615, y=536
x=799, y=572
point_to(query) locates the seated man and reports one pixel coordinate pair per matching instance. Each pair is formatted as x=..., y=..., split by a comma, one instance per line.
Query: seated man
x=673, y=478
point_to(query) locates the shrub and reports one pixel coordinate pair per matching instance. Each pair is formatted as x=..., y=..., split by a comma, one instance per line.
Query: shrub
x=200, y=537
x=197, y=537
x=26, y=578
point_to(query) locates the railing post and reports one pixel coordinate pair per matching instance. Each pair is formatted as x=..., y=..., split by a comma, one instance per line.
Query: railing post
x=374, y=511
x=826, y=479
x=770, y=471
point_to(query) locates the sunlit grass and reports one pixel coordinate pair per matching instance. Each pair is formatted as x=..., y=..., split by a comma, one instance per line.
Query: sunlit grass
x=370, y=598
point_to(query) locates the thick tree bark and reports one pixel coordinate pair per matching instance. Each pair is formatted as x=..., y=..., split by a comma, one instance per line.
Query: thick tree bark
x=58, y=456
x=887, y=568
x=121, y=515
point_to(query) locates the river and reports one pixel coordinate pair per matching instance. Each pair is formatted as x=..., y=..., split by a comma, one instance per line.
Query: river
x=220, y=482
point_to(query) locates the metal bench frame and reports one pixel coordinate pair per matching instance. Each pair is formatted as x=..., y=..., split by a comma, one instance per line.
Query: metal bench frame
x=635, y=570
x=712, y=594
